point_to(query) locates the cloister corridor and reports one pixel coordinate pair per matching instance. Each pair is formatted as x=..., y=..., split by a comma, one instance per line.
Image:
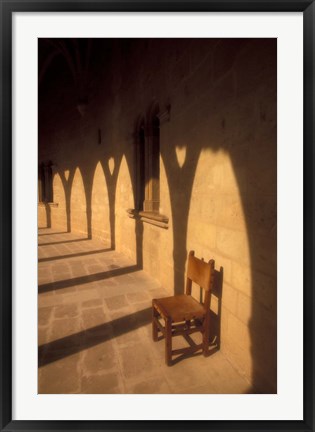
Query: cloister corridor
x=94, y=327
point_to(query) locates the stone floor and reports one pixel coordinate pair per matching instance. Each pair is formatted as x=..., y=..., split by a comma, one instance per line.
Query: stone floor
x=94, y=327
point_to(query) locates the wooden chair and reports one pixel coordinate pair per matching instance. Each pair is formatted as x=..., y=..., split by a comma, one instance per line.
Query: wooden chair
x=182, y=314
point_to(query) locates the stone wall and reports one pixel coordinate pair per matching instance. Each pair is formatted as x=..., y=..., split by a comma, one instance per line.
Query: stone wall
x=218, y=158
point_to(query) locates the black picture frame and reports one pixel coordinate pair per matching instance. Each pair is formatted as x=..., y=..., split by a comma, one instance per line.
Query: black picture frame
x=7, y=8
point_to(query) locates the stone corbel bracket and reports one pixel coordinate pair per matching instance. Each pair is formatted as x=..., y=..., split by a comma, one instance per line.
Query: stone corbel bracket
x=149, y=217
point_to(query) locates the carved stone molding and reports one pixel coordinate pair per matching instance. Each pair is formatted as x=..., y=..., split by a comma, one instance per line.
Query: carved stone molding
x=165, y=116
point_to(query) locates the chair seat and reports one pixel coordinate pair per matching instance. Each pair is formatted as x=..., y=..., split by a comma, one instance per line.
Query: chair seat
x=179, y=307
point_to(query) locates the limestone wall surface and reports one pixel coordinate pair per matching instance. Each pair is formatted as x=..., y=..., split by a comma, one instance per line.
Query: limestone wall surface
x=218, y=171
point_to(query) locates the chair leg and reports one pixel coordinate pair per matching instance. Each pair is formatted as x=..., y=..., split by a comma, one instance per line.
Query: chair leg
x=206, y=335
x=154, y=325
x=168, y=342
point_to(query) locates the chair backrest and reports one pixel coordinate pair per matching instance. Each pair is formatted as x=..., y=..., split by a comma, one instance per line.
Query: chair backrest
x=200, y=272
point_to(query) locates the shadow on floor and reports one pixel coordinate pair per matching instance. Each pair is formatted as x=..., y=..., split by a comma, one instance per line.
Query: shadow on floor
x=63, y=241
x=85, y=339
x=79, y=254
x=66, y=283
x=52, y=233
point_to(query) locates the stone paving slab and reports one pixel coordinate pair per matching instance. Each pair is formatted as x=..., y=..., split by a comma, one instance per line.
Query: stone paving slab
x=94, y=327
